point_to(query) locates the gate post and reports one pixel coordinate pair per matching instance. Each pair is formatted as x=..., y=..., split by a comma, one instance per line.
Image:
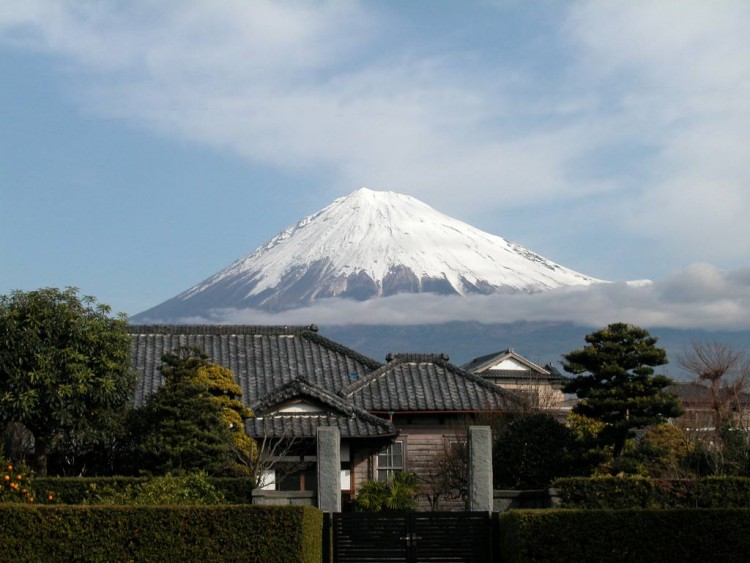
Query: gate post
x=480, y=469
x=329, y=469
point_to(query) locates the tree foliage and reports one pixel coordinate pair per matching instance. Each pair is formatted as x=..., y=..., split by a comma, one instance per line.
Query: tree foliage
x=64, y=367
x=661, y=451
x=219, y=382
x=616, y=383
x=194, y=421
x=533, y=451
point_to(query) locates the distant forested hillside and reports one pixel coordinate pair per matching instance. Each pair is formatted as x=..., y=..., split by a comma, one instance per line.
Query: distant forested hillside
x=541, y=342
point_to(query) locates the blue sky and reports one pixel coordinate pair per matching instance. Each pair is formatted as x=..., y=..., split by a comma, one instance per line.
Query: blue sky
x=146, y=145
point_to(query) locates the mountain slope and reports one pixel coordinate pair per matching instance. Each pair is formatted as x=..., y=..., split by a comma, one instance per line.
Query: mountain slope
x=365, y=245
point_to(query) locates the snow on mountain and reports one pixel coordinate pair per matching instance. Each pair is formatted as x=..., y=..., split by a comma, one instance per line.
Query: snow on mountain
x=370, y=244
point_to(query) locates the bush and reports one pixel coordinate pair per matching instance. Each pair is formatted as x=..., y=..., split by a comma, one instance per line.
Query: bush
x=150, y=533
x=398, y=493
x=80, y=490
x=532, y=451
x=193, y=488
x=605, y=492
x=641, y=492
x=606, y=536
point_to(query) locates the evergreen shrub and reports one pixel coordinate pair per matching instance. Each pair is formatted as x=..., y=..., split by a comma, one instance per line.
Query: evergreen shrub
x=190, y=489
x=641, y=492
x=80, y=490
x=609, y=536
x=266, y=534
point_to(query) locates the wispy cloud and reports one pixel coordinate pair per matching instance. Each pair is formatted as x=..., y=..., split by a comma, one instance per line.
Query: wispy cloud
x=643, y=128
x=676, y=77
x=699, y=296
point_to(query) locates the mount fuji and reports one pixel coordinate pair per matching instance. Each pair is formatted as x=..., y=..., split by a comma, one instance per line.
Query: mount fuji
x=366, y=245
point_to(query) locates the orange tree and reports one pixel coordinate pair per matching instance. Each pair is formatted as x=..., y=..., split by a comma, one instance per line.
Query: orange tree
x=14, y=484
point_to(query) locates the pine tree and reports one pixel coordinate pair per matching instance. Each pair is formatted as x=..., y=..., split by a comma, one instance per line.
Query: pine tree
x=616, y=383
x=194, y=421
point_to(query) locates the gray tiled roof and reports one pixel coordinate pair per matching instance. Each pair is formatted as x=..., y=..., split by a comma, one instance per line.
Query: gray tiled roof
x=425, y=382
x=696, y=394
x=263, y=358
x=481, y=361
x=301, y=388
x=304, y=425
x=351, y=420
x=517, y=374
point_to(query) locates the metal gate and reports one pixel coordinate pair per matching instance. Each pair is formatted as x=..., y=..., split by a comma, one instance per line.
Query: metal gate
x=411, y=537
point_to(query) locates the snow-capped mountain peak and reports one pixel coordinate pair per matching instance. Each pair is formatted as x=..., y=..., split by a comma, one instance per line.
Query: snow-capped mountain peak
x=370, y=244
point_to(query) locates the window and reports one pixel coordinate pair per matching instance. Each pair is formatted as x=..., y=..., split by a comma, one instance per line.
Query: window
x=390, y=461
x=268, y=480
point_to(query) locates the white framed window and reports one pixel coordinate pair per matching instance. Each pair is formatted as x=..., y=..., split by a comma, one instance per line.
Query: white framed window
x=390, y=460
x=268, y=480
x=346, y=479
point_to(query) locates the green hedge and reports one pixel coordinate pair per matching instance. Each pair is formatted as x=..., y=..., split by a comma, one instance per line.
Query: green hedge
x=77, y=490
x=639, y=492
x=207, y=533
x=605, y=536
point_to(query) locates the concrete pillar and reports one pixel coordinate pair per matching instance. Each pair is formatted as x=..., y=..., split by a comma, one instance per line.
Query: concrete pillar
x=480, y=469
x=329, y=469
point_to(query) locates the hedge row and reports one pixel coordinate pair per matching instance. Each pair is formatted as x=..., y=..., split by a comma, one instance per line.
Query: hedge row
x=610, y=536
x=207, y=533
x=77, y=490
x=639, y=492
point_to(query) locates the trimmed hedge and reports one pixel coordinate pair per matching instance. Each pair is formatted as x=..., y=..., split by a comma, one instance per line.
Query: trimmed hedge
x=609, y=536
x=77, y=490
x=640, y=492
x=262, y=534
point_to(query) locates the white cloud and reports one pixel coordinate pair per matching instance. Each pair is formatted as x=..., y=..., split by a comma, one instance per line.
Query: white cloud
x=700, y=296
x=321, y=86
x=301, y=86
x=678, y=76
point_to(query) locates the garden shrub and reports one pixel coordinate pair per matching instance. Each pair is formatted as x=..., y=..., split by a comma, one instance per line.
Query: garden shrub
x=236, y=490
x=398, y=493
x=641, y=492
x=722, y=492
x=265, y=534
x=532, y=451
x=609, y=536
x=605, y=492
x=79, y=490
x=192, y=488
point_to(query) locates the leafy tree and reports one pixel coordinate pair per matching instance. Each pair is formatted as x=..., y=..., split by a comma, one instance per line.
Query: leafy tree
x=533, y=451
x=64, y=367
x=616, y=383
x=193, y=421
